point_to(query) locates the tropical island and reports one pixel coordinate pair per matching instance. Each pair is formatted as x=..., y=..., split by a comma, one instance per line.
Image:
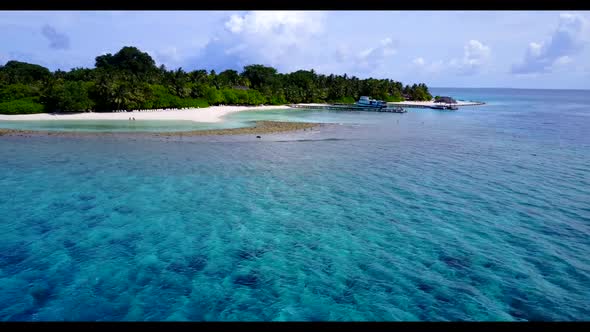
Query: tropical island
x=131, y=80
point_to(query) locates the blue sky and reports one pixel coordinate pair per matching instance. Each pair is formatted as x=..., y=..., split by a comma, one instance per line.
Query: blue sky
x=520, y=49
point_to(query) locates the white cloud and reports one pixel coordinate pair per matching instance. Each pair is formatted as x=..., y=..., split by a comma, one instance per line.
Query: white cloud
x=235, y=23
x=369, y=60
x=276, y=38
x=569, y=38
x=428, y=67
x=535, y=49
x=169, y=56
x=295, y=24
x=373, y=58
x=563, y=60
x=476, y=56
x=563, y=64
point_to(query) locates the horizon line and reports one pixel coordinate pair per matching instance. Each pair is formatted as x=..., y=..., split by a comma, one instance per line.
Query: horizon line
x=507, y=88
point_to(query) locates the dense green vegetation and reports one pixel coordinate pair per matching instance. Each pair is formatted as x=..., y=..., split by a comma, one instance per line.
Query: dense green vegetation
x=21, y=106
x=130, y=79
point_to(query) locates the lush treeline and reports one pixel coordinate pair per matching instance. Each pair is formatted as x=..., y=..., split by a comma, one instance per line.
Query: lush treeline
x=130, y=79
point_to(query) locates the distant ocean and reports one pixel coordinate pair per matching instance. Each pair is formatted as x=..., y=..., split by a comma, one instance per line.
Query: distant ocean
x=482, y=214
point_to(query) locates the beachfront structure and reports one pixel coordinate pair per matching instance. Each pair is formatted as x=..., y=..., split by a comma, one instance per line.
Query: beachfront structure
x=445, y=103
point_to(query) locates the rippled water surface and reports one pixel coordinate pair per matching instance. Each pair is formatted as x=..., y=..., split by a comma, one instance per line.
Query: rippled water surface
x=479, y=214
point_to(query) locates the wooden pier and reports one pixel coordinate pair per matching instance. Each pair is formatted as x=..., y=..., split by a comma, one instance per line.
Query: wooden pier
x=350, y=108
x=433, y=105
x=392, y=107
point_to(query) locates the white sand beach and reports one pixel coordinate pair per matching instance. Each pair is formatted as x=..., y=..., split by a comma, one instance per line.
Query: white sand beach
x=209, y=114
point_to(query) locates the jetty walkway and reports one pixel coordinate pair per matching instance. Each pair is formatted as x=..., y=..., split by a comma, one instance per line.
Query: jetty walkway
x=432, y=104
x=349, y=107
x=392, y=107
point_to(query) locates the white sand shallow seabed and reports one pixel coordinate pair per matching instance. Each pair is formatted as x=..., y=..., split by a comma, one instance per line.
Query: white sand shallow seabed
x=209, y=114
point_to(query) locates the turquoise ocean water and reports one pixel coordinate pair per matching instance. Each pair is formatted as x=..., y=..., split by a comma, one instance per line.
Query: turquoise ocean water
x=479, y=214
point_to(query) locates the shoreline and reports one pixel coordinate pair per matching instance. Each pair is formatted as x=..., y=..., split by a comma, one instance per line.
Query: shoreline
x=210, y=114
x=260, y=127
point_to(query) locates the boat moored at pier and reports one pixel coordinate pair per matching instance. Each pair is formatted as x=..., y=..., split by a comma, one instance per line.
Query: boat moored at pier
x=365, y=103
